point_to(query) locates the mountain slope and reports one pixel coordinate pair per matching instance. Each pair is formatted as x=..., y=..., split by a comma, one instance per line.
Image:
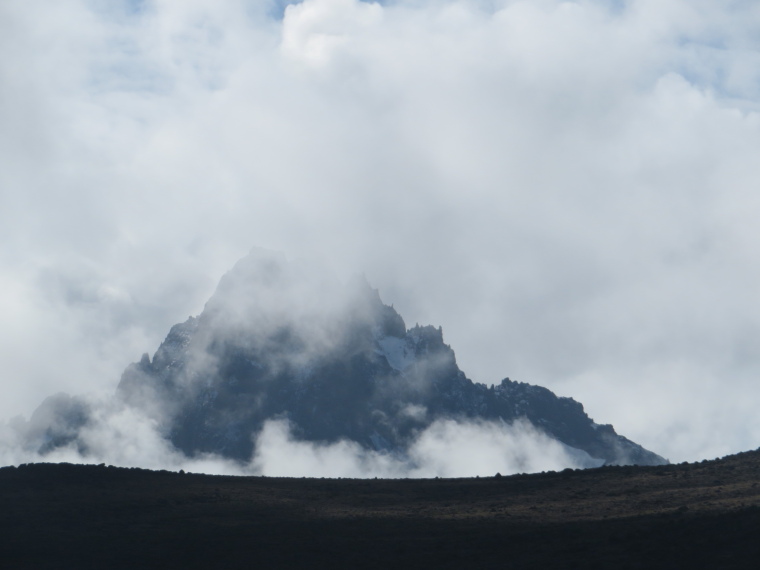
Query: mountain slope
x=700, y=515
x=280, y=340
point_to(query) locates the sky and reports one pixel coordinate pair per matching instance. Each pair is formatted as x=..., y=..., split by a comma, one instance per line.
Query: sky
x=568, y=188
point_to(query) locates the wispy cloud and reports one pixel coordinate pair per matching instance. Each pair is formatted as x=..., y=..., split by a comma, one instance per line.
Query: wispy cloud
x=123, y=436
x=569, y=188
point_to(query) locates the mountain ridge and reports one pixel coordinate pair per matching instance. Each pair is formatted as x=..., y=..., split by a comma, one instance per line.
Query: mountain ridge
x=277, y=340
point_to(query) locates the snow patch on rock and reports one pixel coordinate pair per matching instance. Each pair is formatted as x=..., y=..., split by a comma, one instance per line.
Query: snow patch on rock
x=397, y=351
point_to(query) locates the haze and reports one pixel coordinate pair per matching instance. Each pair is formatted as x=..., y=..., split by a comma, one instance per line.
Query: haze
x=568, y=188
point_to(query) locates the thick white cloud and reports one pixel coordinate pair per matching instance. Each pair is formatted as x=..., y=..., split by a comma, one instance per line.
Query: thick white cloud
x=114, y=434
x=445, y=449
x=121, y=436
x=567, y=187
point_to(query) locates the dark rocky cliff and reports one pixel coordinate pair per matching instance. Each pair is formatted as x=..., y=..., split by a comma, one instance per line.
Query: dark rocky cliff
x=284, y=341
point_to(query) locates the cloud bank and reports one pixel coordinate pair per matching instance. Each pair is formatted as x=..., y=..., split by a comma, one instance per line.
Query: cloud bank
x=568, y=188
x=123, y=436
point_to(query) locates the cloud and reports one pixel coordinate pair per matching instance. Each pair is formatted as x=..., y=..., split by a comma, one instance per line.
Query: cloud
x=87, y=430
x=78, y=430
x=455, y=449
x=569, y=188
x=447, y=448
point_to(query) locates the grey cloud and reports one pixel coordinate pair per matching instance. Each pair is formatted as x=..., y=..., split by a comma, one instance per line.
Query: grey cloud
x=568, y=188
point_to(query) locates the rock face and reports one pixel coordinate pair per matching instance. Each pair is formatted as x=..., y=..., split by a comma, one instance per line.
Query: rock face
x=278, y=340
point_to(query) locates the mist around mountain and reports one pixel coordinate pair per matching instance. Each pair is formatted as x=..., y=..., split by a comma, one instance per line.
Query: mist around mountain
x=290, y=371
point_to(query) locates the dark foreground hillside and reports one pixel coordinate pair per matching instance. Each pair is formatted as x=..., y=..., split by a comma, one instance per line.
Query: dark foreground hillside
x=704, y=515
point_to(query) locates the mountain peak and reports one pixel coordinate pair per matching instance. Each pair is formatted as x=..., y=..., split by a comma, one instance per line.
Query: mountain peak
x=284, y=340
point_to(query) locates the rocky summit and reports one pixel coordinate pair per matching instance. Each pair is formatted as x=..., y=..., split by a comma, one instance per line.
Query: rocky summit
x=279, y=340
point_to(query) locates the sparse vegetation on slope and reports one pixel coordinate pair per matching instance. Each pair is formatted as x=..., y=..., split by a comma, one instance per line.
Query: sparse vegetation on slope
x=702, y=515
